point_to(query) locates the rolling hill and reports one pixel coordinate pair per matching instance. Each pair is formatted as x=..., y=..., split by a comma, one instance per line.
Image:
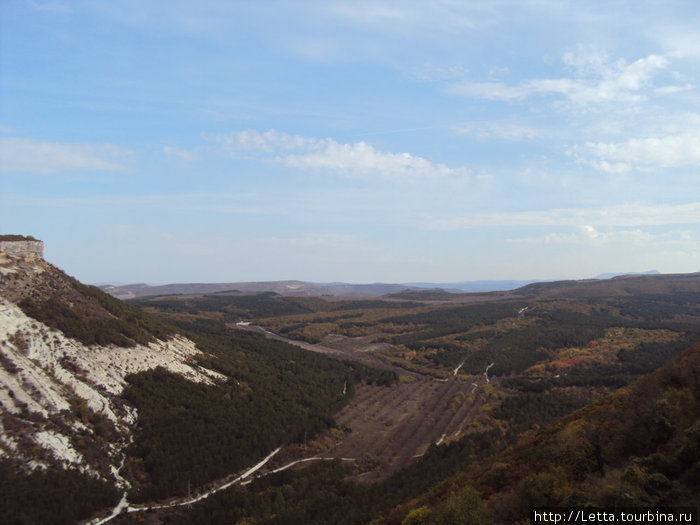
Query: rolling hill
x=99, y=398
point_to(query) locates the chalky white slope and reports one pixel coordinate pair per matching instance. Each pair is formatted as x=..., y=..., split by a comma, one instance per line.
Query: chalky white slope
x=59, y=397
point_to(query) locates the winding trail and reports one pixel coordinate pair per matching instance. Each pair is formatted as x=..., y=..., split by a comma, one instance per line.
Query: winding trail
x=123, y=505
x=359, y=355
x=486, y=374
x=394, y=424
x=293, y=463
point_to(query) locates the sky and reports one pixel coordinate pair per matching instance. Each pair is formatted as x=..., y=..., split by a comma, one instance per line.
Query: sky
x=367, y=141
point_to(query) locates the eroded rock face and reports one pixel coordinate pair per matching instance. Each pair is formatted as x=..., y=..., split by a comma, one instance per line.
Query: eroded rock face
x=17, y=247
x=61, y=399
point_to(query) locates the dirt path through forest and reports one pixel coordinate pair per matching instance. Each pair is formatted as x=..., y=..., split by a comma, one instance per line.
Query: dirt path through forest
x=359, y=349
x=393, y=424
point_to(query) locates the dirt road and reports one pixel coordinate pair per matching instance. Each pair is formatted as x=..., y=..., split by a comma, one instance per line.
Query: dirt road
x=393, y=424
x=359, y=349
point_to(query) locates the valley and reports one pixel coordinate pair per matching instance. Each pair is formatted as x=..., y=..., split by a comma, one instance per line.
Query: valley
x=467, y=370
x=349, y=263
x=231, y=407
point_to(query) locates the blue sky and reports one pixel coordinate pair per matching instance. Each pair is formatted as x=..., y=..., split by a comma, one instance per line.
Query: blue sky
x=395, y=141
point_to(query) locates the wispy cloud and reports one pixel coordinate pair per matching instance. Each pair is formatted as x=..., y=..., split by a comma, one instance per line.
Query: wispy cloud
x=359, y=158
x=497, y=131
x=405, y=17
x=683, y=43
x=363, y=158
x=671, y=151
x=589, y=234
x=595, y=79
x=180, y=153
x=316, y=240
x=195, y=202
x=45, y=157
x=627, y=215
x=672, y=90
x=267, y=142
x=490, y=90
x=336, y=252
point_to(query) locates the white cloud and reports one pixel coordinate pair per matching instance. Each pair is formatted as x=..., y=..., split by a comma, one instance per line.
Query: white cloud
x=595, y=80
x=672, y=90
x=435, y=72
x=498, y=131
x=489, y=90
x=359, y=158
x=626, y=215
x=180, y=153
x=684, y=44
x=589, y=234
x=363, y=158
x=677, y=150
x=41, y=156
x=267, y=142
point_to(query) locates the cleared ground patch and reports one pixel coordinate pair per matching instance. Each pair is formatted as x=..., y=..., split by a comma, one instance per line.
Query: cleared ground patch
x=394, y=424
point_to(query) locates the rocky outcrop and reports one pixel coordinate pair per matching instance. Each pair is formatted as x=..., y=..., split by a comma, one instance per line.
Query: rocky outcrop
x=65, y=398
x=61, y=403
x=20, y=247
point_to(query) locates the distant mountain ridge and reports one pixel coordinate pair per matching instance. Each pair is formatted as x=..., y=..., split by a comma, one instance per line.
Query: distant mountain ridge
x=611, y=275
x=617, y=286
x=487, y=285
x=340, y=289
x=292, y=288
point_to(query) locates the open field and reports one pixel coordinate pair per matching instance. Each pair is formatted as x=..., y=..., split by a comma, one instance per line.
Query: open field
x=396, y=424
x=359, y=349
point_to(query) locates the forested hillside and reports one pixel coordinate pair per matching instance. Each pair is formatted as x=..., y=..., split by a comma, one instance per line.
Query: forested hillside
x=636, y=447
x=557, y=392
x=189, y=434
x=81, y=312
x=98, y=397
